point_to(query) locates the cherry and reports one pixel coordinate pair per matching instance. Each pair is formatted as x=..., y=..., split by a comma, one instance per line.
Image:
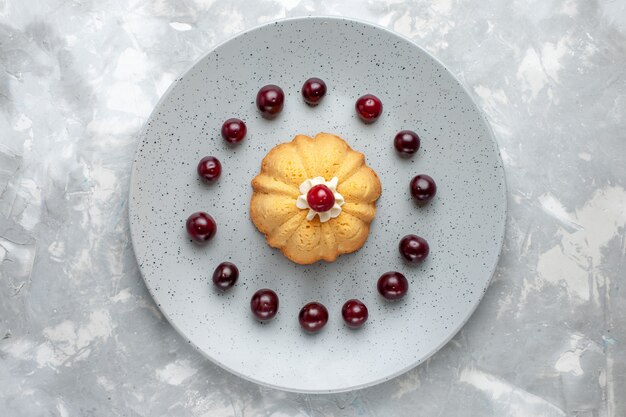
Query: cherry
x=270, y=100
x=423, y=188
x=313, y=317
x=414, y=248
x=354, y=313
x=264, y=304
x=369, y=108
x=392, y=285
x=234, y=130
x=320, y=198
x=201, y=227
x=313, y=90
x=406, y=142
x=225, y=275
x=209, y=169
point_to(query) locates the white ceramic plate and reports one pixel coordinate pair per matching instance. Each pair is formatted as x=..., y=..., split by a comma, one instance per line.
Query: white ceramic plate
x=464, y=224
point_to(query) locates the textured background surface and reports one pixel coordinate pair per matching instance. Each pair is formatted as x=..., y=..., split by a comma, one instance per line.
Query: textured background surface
x=79, y=334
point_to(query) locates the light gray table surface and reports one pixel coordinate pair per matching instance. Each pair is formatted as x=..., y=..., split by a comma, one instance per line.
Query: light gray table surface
x=81, y=336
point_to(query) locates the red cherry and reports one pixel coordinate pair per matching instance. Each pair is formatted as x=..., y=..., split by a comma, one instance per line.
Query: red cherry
x=313, y=90
x=406, y=142
x=320, y=198
x=201, y=227
x=392, y=285
x=270, y=100
x=414, y=248
x=264, y=304
x=209, y=169
x=354, y=313
x=369, y=108
x=225, y=275
x=423, y=188
x=234, y=130
x=313, y=317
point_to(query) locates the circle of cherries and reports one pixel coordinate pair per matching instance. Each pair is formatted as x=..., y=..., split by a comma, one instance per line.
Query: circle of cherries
x=392, y=286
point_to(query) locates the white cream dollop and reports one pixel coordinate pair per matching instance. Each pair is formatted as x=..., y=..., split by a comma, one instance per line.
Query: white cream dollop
x=325, y=216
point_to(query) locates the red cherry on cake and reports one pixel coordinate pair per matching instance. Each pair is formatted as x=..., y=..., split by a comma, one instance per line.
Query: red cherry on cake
x=313, y=90
x=313, y=317
x=234, y=130
x=270, y=100
x=369, y=108
x=423, y=188
x=209, y=169
x=264, y=304
x=320, y=198
x=392, y=285
x=354, y=313
x=225, y=275
x=406, y=142
x=201, y=227
x=414, y=249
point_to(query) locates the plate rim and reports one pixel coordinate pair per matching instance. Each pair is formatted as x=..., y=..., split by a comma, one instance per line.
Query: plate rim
x=492, y=268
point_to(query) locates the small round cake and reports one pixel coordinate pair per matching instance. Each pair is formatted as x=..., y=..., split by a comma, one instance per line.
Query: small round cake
x=314, y=198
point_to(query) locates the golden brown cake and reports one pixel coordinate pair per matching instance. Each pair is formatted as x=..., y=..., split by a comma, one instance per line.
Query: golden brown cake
x=282, y=205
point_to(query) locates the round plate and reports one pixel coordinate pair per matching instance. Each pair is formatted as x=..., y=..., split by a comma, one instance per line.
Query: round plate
x=464, y=224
